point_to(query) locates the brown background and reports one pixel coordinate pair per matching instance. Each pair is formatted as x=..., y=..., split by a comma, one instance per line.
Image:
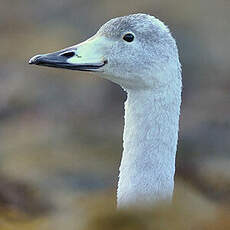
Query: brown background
x=61, y=131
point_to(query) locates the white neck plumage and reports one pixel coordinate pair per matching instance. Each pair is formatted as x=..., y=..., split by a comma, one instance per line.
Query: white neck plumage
x=150, y=142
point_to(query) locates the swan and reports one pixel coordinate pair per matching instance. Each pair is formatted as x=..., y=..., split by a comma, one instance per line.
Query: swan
x=139, y=53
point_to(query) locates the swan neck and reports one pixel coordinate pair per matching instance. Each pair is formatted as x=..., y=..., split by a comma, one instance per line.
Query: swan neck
x=149, y=142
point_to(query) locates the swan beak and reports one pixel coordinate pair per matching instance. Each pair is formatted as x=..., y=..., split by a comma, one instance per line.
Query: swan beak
x=86, y=56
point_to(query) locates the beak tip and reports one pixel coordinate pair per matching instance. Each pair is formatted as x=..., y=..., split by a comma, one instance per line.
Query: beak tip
x=34, y=60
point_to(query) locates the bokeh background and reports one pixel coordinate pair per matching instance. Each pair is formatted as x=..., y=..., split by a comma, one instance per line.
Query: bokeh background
x=61, y=131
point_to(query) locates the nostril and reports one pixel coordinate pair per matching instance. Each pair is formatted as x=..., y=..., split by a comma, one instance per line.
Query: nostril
x=68, y=54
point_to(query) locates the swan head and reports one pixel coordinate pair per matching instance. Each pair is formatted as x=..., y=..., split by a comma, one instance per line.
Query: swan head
x=135, y=51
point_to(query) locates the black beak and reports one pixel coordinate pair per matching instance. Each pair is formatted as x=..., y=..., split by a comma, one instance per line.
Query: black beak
x=60, y=60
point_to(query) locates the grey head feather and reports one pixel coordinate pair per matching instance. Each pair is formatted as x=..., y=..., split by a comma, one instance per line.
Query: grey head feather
x=144, y=25
x=149, y=30
x=149, y=61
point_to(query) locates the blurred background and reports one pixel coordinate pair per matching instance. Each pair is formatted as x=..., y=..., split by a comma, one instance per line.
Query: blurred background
x=61, y=131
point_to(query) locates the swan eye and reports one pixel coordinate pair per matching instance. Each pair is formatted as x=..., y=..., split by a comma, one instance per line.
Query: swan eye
x=128, y=37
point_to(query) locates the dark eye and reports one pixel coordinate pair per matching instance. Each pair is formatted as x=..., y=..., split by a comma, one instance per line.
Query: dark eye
x=128, y=37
